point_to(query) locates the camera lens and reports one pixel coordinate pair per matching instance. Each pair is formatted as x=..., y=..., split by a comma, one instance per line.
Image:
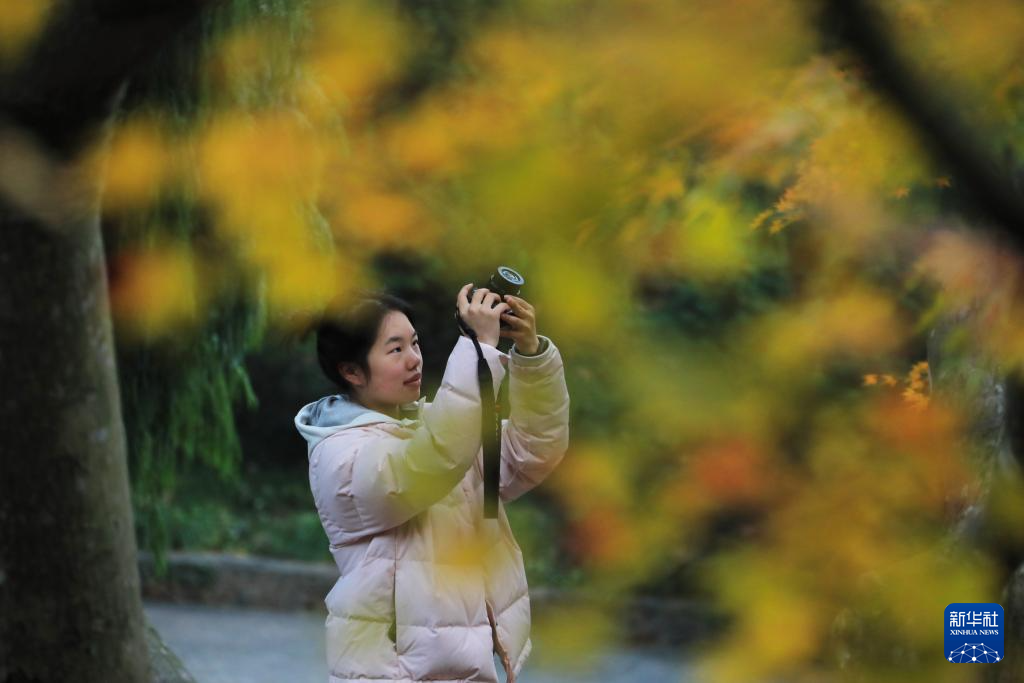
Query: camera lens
x=512, y=277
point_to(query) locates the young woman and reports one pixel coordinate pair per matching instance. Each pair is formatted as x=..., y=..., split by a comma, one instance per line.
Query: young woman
x=430, y=589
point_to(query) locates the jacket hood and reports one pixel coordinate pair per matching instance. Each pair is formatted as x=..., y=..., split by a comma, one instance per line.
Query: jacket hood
x=319, y=419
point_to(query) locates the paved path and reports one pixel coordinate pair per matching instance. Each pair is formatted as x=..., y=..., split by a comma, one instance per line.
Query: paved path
x=234, y=645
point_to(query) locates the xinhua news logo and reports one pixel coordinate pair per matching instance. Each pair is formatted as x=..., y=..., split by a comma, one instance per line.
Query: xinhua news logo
x=974, y=633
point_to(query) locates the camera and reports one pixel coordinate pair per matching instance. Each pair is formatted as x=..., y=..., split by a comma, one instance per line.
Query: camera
x=504, y=281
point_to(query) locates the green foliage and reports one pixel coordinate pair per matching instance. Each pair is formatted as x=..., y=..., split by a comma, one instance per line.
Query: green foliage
x=267, y=513
x=178, y=408
x=703, y=311
x=538, y=530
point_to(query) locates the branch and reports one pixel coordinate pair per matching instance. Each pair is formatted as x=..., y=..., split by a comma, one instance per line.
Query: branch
x=951, y=143
x=65, y=85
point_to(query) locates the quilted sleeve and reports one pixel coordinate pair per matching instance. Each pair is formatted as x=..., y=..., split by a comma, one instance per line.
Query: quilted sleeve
x=536, y=436
x=366, y=481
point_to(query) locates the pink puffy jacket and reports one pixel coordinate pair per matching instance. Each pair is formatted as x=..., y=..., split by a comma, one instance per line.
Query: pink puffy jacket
x=430, y=589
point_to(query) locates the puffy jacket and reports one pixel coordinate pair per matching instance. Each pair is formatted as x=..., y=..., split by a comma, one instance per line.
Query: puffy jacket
x=430, y=590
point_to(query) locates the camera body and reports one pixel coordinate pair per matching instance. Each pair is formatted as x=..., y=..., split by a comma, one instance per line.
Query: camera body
x=504, y=281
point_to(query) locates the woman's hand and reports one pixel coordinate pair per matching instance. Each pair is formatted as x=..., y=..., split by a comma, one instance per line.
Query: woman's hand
x=522, y=325
x=482, y=315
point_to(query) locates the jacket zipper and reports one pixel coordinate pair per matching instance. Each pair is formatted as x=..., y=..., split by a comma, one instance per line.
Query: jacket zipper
x=510, y=676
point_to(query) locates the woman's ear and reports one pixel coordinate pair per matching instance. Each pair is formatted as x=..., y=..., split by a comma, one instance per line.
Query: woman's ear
x=353, y=373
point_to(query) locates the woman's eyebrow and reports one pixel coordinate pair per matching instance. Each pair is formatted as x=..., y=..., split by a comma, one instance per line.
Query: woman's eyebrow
x=415, y=335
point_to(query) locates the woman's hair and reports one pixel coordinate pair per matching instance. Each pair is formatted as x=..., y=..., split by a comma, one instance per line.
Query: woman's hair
x=347, y=336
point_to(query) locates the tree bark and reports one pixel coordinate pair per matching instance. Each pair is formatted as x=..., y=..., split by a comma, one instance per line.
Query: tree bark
x=70, y=605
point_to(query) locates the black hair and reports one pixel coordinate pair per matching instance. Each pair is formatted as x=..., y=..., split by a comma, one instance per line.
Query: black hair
x=348, y=335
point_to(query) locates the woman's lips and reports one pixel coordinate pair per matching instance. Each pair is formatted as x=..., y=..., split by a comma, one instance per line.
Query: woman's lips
x=415, y=380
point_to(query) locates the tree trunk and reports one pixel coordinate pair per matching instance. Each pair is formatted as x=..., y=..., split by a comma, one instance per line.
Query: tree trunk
x=70, y=605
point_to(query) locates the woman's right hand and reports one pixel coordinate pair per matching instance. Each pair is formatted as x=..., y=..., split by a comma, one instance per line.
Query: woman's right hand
x=481, y=314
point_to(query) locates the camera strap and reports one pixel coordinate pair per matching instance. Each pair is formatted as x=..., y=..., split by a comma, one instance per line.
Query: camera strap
x=490, y=428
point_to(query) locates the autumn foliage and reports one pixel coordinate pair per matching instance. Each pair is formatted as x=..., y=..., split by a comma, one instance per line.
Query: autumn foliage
x=600, y=147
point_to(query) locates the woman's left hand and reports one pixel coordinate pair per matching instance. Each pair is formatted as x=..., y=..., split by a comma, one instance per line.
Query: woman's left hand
x=522, y=325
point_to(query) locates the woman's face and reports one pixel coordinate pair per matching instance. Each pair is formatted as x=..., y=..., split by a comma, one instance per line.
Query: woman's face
x=394, y=359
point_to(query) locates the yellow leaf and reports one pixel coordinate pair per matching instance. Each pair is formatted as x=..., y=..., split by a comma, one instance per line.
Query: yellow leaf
x=760, y=218
x=155, y=290
x=20, y=23
x=138, y=164
x=665, y=183
x=356, y=48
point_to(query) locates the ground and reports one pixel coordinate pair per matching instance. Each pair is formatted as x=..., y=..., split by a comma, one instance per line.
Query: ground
x=236, y=645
